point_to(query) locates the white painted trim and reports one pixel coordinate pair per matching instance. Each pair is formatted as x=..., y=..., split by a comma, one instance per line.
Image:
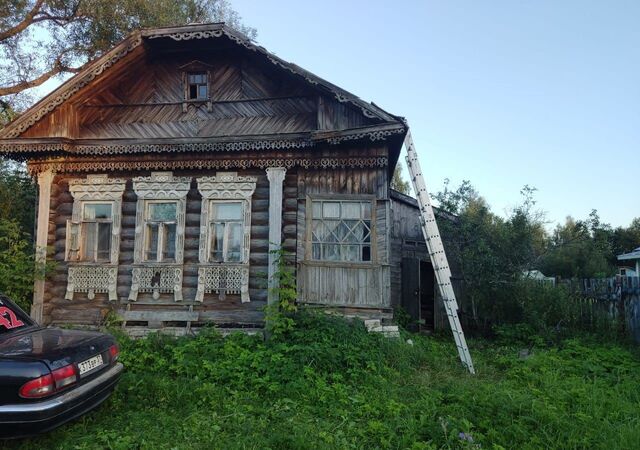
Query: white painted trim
x=276, y=178
x=45, y=180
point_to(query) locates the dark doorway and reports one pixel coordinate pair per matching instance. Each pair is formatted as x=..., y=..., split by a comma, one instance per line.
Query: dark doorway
x=427, y=296
x=418, y=293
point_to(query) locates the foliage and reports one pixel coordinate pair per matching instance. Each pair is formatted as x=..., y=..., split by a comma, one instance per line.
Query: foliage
x=283, y=287
x=17, y=196
x=398, y=182
x=492, y=252
x=327, y=383
x=42, y=39
x=17, y=264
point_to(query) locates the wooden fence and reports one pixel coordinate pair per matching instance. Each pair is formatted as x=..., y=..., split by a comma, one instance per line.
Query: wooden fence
x=618, y=297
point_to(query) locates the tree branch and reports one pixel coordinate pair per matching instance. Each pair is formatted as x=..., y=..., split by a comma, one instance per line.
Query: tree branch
x=20, y=27
x=57, y=68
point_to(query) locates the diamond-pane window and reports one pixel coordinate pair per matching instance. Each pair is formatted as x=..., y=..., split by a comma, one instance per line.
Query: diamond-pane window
x=341, y=230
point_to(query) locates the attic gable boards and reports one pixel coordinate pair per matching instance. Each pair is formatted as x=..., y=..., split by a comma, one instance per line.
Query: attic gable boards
x=143, y=96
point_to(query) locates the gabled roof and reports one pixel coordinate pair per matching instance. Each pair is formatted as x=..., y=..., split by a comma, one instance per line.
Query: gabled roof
x=182, y=33
x=635, y=254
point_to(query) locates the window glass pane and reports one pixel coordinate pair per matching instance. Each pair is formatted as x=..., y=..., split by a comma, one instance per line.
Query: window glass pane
x=366, y=253
x=341, y=231
x=202, y=91
x=350, y=210
x=234, y=246
x=89, y=239
x=330, y=230
x=151, y=248
x=217, y=237
x=104, y=241
x=315, y=251
x=193, y=92
x=331, y=210
x=351, y=253
x=169, y=241
x=366, y=210
x=94, y=211
x=162, y=211
x=227, y=211
x=316, y=210
x=331, y=252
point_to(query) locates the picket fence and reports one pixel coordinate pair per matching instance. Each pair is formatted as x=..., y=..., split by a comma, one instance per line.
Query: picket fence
x=618, y=296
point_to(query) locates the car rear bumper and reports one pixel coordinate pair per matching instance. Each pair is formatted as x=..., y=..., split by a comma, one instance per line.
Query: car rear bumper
x=30, y=418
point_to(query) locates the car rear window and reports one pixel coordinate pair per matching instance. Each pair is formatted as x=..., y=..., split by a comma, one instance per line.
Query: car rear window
x=11, y=317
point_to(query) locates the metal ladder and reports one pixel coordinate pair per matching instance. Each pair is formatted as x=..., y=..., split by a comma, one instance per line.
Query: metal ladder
x=436, y=251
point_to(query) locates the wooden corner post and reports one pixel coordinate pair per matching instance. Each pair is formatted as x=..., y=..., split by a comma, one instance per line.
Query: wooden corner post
x=45, y=179
x=276, y=178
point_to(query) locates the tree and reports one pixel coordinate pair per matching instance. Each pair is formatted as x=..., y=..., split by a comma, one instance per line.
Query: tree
x=398, y=182
x=43, y=39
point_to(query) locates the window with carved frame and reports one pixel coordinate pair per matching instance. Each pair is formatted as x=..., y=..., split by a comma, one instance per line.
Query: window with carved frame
x=226, y=231
x=341, y=230
x=160, y=222
x=95, y=232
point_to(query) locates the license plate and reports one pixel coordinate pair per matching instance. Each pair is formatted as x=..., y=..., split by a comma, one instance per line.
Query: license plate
x=90, y=364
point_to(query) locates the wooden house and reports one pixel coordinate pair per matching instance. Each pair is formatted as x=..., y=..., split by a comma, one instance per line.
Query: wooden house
x=170, y=166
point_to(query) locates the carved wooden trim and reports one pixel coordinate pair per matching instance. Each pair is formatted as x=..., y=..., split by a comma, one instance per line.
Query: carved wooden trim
x=74, y=85
x=276, y=178
x=224, y=186
x=94, y=278
x=45, y=180
x=159, y=186
x=156, y=279
x=62, y=166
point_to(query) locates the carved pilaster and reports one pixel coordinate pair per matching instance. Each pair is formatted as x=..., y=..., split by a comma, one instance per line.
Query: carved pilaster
x=45, y=179
x=276, y=178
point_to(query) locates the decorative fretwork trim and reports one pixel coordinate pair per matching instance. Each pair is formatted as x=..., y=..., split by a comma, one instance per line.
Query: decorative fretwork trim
x=96, y=188
x=161, y=186
x=36, y=167
x=92, y=279
x=223, y=279
x=157, y=279
x=52, y=102
x=339, y=94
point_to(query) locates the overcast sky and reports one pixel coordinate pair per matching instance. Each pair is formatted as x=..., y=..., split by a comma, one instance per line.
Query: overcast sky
x=502, y=93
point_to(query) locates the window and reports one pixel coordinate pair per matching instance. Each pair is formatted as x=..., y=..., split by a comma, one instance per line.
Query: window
x=95, y=232
x=197, y=86
x=341, y=230
x=160, y=231
x=226, y=231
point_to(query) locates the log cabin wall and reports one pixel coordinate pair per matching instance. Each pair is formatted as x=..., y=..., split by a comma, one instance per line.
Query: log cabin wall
x=81, y=310
x=359, y=285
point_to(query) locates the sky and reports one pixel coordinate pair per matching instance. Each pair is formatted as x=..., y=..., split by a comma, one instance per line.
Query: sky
x=503, y=93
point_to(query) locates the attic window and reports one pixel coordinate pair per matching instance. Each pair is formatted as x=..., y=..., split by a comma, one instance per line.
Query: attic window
x=197, y=86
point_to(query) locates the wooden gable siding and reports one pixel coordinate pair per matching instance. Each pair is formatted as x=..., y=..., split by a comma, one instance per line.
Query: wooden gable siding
x=345, y=284
x=81, y=310
x=147, y=101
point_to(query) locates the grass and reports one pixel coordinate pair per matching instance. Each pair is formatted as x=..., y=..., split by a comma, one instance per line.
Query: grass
x=329, y=384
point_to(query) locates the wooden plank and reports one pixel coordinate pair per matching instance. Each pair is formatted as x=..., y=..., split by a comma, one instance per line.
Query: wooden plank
x=160, y=316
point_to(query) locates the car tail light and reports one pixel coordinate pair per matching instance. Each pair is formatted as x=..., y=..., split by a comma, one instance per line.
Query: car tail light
x=40, y=387
x=64, y=376
x=50, y=383
x=114, y=351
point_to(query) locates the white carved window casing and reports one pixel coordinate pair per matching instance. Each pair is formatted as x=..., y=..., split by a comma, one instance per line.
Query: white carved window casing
x=159, y=239
x=93, y=235
x=225, y=234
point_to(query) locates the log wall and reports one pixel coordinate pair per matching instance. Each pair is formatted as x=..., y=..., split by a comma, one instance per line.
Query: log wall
x=81, y=310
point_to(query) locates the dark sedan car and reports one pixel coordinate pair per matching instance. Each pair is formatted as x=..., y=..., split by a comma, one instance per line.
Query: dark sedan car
x=49, y=376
